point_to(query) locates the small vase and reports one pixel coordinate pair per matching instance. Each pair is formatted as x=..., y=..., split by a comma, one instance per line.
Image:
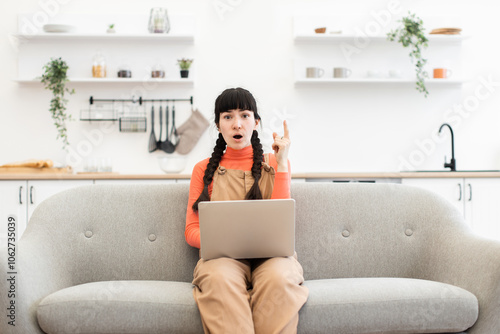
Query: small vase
x=184, y=73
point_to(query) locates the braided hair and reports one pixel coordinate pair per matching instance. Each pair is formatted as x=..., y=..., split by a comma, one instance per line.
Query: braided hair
x=233, y=98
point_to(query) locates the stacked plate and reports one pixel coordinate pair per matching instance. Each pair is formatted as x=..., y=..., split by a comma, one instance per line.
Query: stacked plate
x=446, y=31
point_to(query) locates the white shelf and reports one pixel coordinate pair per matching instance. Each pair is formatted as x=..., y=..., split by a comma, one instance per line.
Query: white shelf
x=339, y=38
x=175, y=38
x=309, y=81
x=118, y=80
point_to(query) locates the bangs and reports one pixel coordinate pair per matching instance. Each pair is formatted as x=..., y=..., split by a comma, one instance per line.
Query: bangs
x=236, y=99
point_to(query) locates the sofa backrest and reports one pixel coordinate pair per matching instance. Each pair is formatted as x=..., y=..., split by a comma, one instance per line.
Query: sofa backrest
x=116, y=232
x=136, y=232
x=370, y=230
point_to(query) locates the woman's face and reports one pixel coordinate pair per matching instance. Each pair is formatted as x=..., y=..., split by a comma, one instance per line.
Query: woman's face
x=236, y=126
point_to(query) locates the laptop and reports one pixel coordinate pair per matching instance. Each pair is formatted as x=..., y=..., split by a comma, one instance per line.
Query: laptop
x=247, y=229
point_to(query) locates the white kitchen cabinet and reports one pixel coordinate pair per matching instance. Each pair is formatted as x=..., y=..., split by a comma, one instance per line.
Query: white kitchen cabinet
x=13, y=202
x=478, y=199
x=449, y=188
x=22, y=197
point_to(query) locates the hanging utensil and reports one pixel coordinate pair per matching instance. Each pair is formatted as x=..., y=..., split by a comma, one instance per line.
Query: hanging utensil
x=153, y=146
x=158, y=143
x=166, y=145
x=175, y=136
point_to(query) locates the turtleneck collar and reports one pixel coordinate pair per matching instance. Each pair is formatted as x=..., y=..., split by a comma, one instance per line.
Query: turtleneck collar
x=244, y=153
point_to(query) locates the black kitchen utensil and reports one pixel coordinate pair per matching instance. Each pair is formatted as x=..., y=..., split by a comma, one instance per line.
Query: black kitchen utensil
x=166, y=145
x=158, y=143
x=174, y=140
x=153, y=146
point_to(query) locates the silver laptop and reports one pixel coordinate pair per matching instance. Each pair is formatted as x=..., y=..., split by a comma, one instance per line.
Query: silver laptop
x=247, y=229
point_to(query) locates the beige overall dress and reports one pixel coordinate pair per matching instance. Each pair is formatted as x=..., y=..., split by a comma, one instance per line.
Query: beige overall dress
x=248, y=296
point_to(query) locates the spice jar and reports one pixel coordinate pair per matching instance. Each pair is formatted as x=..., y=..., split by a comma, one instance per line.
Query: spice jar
x=124, y=71
x=157, y=71
x=99, y=66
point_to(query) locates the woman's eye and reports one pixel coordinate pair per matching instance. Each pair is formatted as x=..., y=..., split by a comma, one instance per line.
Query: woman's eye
x=246, y=116
x=227, y=117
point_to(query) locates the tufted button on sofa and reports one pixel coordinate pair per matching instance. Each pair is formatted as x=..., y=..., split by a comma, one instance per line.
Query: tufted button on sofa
x=377, y=258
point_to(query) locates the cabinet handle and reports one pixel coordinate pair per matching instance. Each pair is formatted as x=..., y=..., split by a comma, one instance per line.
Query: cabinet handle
x=21, y=195
x=31, y=195
x=460, y=193
x=470, y=192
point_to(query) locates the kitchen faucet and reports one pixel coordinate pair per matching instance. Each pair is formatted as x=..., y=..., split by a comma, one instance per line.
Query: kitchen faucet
x=451, y=164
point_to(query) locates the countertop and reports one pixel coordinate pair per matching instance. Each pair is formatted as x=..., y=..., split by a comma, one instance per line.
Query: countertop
x=334, y=175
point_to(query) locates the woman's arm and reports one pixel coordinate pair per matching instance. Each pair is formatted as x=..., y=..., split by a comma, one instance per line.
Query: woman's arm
x=282, y=180
x=192, y=232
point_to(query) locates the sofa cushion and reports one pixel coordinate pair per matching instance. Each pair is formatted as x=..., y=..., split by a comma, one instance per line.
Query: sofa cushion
x=386, y=305
x=121, y=307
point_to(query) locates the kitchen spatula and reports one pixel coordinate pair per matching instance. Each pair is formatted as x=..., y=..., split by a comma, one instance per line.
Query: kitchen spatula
x=152, y=138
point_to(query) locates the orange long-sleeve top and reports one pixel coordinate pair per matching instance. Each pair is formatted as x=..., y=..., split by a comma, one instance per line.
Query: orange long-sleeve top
x=232, y=159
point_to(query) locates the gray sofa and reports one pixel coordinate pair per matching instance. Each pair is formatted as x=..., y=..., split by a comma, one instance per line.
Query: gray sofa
x=377, y=258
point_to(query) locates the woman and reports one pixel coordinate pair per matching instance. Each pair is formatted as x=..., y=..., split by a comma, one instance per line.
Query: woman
x=243, y=296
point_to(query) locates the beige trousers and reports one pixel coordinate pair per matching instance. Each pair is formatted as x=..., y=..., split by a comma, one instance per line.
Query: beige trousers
x=249, y=296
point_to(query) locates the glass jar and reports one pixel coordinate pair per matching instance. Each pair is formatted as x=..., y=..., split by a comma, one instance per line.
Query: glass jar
x=99, y=66
x=124, y=71
x=158, y=71
x=158, y=21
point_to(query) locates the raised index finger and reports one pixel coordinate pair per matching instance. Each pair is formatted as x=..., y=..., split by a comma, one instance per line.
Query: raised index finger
x=285, y=127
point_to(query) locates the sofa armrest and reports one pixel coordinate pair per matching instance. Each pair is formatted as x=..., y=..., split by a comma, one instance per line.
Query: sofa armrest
x=473, y=263
x=38, y=276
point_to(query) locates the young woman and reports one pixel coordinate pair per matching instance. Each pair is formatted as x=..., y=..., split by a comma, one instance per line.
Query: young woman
x=243, y=296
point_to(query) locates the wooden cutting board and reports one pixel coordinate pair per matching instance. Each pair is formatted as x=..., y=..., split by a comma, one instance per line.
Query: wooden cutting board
x=33, y=170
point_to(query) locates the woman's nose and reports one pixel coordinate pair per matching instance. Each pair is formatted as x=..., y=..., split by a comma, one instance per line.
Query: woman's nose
x=236, y=124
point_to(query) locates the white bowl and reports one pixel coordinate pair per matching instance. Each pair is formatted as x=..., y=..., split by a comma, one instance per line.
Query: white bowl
x=172, y=163
x=58, y=28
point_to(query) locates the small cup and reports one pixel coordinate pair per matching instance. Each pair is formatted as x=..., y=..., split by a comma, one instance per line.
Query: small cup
x=394, y=74
x=314, y=72
x=374, y=74
x=341, y=72
x=442, y=73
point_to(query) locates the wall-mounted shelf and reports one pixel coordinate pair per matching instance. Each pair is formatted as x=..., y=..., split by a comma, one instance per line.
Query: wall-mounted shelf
x=176, y=81
x=174, y=38
x=313, y=81
x=340, y=38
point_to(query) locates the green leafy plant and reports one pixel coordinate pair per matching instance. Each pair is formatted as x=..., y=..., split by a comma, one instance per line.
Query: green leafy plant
x=54, y=78
x=184, y=63
x=411, y=34
x=111, y=26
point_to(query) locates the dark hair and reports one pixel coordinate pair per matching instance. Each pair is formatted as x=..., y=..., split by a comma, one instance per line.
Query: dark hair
x=233, y=98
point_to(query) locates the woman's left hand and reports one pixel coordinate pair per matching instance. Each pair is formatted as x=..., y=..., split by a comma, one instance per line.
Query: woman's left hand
x=281, y=145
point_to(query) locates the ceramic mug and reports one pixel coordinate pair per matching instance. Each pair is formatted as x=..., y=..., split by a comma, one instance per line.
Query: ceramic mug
x=442, y=73
x=314, y=72
x=341, y=72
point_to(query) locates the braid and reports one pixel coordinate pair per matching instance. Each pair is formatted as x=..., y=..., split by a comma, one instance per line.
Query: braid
x=254, y=192
x=212, y=165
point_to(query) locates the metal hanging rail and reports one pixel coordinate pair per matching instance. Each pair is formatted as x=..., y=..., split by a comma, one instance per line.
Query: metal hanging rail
x=140, y=100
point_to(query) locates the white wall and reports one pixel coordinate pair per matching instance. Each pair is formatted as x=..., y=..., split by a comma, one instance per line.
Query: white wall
x=333, y=127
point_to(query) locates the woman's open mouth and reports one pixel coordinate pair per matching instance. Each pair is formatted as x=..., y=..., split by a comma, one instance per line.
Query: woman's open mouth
x=237, y=137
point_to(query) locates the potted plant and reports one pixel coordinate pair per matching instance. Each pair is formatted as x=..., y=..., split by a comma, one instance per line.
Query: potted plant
x=411, y=34
x=184, y=64
x=111, y=29
x=54, y=78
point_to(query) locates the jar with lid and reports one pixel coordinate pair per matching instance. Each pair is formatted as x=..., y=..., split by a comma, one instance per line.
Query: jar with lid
x=158, y=71
x=99, y=66
x=124, y=71
x=158, y=21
